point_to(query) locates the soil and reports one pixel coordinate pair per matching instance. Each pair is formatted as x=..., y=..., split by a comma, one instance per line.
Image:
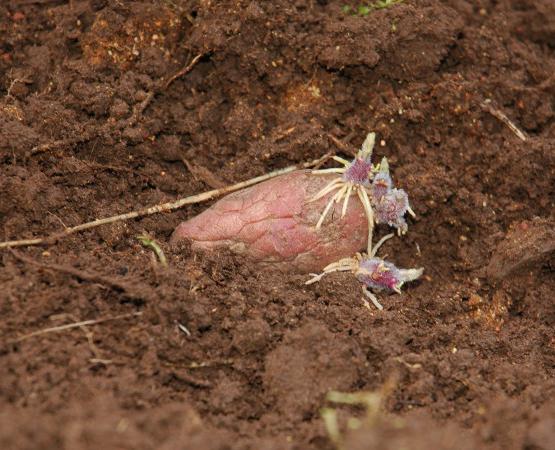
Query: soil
x=228, y=355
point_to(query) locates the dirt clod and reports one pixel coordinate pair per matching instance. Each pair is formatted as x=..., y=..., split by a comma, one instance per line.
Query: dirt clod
x=299, y=372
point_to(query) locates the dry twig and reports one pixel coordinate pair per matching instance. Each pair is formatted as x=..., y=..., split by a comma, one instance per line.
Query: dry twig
x=342, y=145
x=184, y=71
x=69, y=326
x=41, y=148
x=164, y=207
x=487, y=106
x=188, y=379
x=203, y=174
x=139, y=108
x=205, y=364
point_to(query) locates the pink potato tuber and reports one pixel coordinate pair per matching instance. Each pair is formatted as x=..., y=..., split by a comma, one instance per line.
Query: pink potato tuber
x=274, y=222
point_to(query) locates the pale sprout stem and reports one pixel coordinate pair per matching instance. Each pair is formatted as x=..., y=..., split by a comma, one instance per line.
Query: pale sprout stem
x=369, y=214
x=340, y=194
x=411, y=212
x=324, y=214
x=339, y=266
x=345, y=262
x=368, y=146
x=372, y=298
x=379, y=244
x=359, y=257
x=334, y=199
x=315, y=278
x=341, y=160
x=359, y=193
x=346, y=202
x=329, y=187
x=411, y=274
x=334, y=170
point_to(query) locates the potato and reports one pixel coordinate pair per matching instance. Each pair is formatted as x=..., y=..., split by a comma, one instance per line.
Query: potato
x=274, y=223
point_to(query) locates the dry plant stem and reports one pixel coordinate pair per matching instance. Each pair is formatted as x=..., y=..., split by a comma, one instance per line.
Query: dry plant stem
x=342, y=145
x=139, y=109
x=183, y=71
x=170, y=206
x=487, y=106
x=203, y=174
x=90, y=339
x=69, y=326
x=202, y=365
x=192, y=381
x=59, y=143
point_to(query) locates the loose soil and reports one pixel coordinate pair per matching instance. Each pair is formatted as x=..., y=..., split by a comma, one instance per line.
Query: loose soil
x=92, y=124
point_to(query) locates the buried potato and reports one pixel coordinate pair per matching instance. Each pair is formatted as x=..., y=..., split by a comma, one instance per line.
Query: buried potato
x=274, y=222
x=305, y=221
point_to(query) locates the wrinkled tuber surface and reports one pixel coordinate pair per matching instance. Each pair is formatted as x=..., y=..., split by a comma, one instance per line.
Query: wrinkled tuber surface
x=274, y=222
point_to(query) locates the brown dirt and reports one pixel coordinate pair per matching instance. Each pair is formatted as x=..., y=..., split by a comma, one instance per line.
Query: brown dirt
x=88, y=129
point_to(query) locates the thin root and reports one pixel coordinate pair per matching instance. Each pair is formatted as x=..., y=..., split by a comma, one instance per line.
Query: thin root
x=341, y=160
x=184, y=71
x=346, y=202
x=327, y=189
x=487, y=106
x=335, y=199
x=334, y=267
x=379, y=244
x=325, y=212
x=369, y=214
x=76, y=325
x=333, y=170
x=372, y=298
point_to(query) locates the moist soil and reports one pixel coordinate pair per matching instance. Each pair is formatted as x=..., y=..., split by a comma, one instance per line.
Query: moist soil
x=102, y=112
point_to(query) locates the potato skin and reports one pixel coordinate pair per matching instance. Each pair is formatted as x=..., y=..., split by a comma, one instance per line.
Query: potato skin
x=274, y=223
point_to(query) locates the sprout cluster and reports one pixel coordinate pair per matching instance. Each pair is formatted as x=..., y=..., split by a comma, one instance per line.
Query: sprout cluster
x=383, y=204
x=390, y=204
